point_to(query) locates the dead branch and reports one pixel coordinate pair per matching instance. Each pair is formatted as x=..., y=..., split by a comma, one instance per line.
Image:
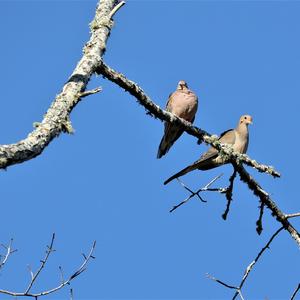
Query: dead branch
x=292, y=215
x=266, y=199
x=295, y=292
x=251, y=265
x=9, y=251
x=248, y=269
x=63, y=282
x=197, y=193
x=43, y=262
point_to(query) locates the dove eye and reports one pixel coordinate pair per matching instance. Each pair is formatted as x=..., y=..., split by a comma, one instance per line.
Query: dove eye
x=245, y=118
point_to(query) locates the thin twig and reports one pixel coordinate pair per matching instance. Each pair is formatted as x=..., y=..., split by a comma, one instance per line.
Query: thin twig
x=221, y=282
x=43, y=262
x=9, y=251
x=71, y=294
x=292, y=215
x=238, y=289
x=79, y=270
x=90, y=92
x=251, y=265
x=295, y=292
x=229, y=194
x=197, y=193
x=115, y=9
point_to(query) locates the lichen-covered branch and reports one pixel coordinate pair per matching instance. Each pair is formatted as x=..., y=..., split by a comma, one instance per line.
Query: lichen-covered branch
x=266, y=199
x=155, y=111
x=57, y=119
x=235, y=158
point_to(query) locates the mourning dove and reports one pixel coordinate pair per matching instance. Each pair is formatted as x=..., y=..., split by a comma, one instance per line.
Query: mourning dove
x=238, y=138
x=183, y=103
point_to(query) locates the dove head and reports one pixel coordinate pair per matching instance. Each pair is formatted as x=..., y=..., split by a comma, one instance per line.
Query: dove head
x=246, y=119
x=182, y=85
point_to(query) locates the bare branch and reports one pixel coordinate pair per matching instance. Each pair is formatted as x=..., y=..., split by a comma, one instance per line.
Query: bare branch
x=43, y=262
x=238, y=289
x=63, y=282
x=295, y=292
x=251, y=265
x=115, y=9
x=9, y=251
x=292, y=215
x=197, y=193
x=221, y=282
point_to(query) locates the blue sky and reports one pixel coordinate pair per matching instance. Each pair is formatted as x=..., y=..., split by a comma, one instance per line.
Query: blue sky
x=104, y=182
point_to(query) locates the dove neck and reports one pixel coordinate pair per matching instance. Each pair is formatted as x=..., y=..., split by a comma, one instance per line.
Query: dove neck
x=242, y=129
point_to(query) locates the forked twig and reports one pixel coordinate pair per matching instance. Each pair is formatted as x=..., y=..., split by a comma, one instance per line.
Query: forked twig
x=248, y=269
x=206, y=188
x=43, y=262
x=9, y=251
x=63, y=282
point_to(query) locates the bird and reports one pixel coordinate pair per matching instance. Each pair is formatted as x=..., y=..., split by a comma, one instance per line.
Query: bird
x=184, y=104
x=238, y=138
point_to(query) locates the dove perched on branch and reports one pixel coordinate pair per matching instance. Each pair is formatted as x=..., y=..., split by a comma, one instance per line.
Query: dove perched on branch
x=238, y=138
x=183, y=103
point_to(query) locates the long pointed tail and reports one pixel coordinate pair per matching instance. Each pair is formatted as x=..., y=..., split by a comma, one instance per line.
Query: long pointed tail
x=164, y=147
x=171, y=134
x=182, y=172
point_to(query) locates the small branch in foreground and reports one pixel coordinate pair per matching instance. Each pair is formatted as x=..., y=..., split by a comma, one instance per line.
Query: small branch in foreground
x=251, y=265
x=197, y=193
x=295, y=292
x=9, y=251
x=63, y=282
x=228, y=194
x=249, y=268
x=43, y=262
x=226, y=285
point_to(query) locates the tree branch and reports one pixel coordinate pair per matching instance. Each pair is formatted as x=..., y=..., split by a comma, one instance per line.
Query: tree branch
x=234, y=157
x=63, y=283
x=295, y=292
x=9, y=251
x=248, y=269
x=155, y=111
x=197, y=193
x=266, y=199
x=56, y=119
